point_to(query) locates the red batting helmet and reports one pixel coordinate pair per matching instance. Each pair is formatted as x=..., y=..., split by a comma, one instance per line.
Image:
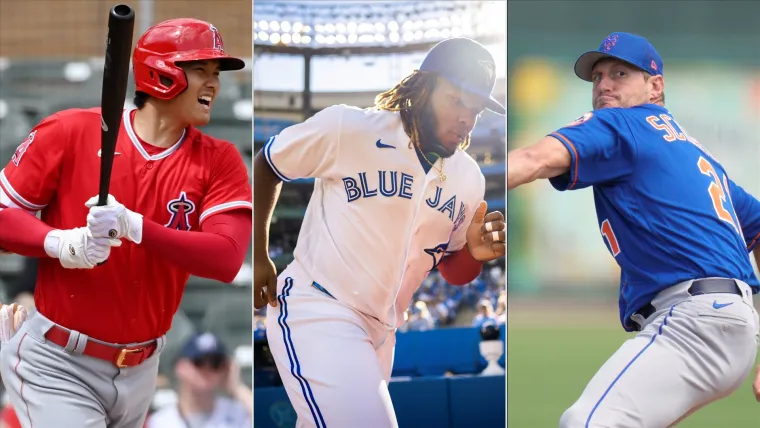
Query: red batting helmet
x=165, y=45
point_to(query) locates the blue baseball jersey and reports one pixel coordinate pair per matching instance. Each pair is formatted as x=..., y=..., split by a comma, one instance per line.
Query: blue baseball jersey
x=667, y=210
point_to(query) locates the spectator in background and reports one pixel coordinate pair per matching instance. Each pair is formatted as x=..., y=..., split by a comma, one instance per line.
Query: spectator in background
x=501, y=308
x=485, y=313
x=21, y=289
x=204, y=368
x=421, y=319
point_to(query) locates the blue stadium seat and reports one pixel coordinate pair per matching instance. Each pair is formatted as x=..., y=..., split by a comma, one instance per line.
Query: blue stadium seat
x=448, y=349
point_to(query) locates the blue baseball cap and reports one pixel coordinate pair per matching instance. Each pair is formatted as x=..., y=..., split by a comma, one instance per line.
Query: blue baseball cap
x=633, y=49
x=203, y=345
x=466, y=64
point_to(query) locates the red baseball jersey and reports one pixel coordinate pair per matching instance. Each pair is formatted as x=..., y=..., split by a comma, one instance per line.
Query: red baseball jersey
x=132, y=297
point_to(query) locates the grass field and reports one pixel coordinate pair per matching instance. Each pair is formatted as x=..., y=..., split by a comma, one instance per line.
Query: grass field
x=554, y=352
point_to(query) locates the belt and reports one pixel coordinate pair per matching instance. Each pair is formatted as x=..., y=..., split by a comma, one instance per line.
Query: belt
x=700, y=286
x=121, y=357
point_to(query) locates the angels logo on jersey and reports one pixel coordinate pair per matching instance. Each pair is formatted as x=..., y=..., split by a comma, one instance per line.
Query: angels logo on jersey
x=22, y=148
x=180, y=210
x=217, y=39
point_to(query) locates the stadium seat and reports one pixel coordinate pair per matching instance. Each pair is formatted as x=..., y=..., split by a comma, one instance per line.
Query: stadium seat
x=435, y=354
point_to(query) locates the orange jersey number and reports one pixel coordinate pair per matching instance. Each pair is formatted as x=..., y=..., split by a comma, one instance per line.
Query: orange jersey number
x=610, y=236
x=718, y=192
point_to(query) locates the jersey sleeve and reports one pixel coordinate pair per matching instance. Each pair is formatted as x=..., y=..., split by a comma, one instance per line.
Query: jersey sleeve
x=30, y=179
x=308, y=149
x=229, y=187
x=600, y=150
x=747, y=209
x=459, y=234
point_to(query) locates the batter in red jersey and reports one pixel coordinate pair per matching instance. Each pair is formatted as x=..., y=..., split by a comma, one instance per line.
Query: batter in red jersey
x=180, y=204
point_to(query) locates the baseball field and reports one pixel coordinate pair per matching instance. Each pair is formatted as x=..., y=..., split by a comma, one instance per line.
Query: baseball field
x=555, y=349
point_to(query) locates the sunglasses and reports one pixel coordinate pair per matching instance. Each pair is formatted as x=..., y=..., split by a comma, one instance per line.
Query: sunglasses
x=214, y=362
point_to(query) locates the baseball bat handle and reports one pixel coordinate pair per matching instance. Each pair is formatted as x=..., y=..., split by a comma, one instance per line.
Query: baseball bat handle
x=121, y=20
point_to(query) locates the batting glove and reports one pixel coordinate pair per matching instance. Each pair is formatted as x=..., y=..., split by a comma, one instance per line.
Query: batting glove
x=114, y=220
x=12, y=317
x=77, y=249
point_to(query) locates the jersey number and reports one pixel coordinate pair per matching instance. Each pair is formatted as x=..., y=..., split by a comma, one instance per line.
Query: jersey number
x=610, y=236
x=718, y=192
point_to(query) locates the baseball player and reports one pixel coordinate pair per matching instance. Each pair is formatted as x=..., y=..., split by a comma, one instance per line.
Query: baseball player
x=395, y=196
x=679, y=228
x=180, y=206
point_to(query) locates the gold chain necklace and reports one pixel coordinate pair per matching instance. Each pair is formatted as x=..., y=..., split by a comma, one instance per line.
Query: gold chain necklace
x=441, y=175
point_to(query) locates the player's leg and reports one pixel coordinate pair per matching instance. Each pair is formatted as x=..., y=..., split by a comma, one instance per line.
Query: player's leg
x=44, y=387
x=385, y=354
x=688, y=356
x=326, y=359
x=135, y=387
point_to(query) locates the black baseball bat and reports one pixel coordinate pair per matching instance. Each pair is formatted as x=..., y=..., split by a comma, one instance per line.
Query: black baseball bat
x=121, y=23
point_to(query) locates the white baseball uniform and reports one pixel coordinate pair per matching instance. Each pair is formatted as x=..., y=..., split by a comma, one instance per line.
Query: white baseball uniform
x=375, y=226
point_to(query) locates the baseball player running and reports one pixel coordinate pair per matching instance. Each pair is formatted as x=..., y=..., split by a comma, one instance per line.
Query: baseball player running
x=679, y=228
x=395, y=196
x=180, y=206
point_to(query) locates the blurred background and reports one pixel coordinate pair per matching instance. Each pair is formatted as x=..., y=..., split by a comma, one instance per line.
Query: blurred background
x=51, y=59
x=310, y=55
x=562, y=282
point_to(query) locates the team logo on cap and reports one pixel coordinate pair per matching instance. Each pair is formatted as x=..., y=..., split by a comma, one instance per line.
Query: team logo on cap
x=653, y=65
x=609, y=43
x=490, y=69
x=217, y=39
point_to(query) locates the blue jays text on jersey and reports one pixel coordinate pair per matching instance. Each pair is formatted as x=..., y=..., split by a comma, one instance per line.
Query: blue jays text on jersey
x=666, y=208
x=389, y=185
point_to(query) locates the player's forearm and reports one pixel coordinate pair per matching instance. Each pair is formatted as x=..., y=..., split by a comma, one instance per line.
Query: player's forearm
x=460, y=268
x=522, y=168
x=22, y=233
x=546, y=159
x=266, y=191
x=216, y=252
x=757, y=257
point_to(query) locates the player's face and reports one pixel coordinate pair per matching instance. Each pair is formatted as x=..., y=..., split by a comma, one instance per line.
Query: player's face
x=454, y=113
x=617, y=84
x=195, y=103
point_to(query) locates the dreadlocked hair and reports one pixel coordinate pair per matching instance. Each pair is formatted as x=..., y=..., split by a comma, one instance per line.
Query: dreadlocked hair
x=411, y=97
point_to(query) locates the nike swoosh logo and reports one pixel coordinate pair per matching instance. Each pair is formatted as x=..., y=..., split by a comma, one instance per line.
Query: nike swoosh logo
x=103, y=124
x=101, y=151
x=717, y=305
x=384, y=146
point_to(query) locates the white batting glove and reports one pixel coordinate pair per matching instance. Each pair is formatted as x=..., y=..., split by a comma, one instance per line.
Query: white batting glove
x=114, y=220
x=12, y=317
x=77, y=249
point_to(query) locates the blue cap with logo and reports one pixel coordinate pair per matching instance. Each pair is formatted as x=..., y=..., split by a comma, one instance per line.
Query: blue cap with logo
x=631, y=48
x=203, y=345
x=466, y=64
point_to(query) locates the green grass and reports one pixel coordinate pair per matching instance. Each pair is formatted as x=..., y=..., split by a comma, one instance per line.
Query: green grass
x=548, y=368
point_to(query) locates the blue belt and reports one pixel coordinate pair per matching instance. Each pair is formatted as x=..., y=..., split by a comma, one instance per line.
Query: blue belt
x=322, y=289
